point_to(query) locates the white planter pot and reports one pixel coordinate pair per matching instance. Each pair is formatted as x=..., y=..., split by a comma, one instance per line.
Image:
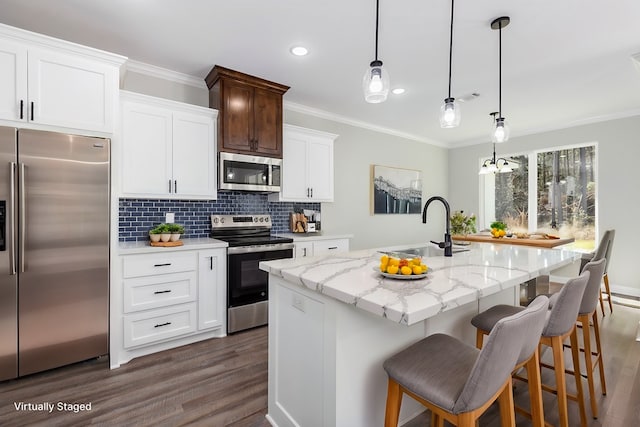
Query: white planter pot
x=165, y=237
x=175, y=237
x=154, y=237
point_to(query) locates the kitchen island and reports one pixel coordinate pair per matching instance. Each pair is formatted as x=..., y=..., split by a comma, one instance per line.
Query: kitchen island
x=334, y=319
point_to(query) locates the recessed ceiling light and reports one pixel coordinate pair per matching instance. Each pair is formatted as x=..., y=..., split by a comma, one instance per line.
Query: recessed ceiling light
x=299, y=50
x=398, y=90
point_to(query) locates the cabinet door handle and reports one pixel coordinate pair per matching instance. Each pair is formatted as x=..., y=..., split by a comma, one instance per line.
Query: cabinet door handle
x=169, y=186
x=163, y=292
x=31, y=110
x=307, y=191
x=312, y=192
x=304, y=252
x=211, y=263
x=21, y=109
x=162, y=265
x=175, y=186
x=159, y=325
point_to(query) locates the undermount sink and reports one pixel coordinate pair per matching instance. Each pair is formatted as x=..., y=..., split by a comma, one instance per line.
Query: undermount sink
x=430, y=250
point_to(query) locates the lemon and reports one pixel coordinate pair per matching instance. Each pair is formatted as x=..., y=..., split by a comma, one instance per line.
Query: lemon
x=423, y=267
x=394, y=262
x=384, y=259
x=417, y=269
x=406, y=270
x=392, y=269
x=383, y=267
x=416, y=261
x=502, y=233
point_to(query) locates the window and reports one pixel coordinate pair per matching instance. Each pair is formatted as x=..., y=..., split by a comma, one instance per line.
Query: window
x=551, y=191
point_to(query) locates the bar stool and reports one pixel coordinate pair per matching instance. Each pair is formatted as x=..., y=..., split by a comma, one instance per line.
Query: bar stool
x=458, y=382
x=560, y=324
x=603, y=251
x=588, y=311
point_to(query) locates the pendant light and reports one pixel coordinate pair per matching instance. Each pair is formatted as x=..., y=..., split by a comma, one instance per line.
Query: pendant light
x=493, y=165
x=450, y=110
x=375, y=82
x=500, y=132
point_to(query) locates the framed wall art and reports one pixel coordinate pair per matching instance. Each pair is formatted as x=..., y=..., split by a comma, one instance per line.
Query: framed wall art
x=395, y=190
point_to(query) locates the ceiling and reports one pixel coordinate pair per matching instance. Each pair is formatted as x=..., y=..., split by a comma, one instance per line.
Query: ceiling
x=563, y=62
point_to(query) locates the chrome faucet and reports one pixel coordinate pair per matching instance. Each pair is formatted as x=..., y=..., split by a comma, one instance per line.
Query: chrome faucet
x=446, y=245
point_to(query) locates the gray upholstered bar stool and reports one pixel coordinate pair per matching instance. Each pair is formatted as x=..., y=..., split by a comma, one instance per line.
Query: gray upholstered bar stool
x=588, y=311
x=602, y=251
x=458, y=382
x=560, y=324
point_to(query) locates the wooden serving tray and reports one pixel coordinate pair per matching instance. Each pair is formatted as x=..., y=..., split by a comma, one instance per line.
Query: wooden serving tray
x=167, y=244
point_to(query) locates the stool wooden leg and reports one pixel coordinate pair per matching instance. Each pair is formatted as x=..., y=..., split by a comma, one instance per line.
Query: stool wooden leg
x=479, y=338
x=588, y=362
x=535, y=390
x=505, y=401
x=394, y=399
x=601, y=303
x=575, y=353
x=600, y=361
x=606, y=288
x=561, y=385
x=436, y=420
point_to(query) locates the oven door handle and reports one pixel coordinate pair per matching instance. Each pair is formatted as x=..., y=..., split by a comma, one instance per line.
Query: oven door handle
x=259, y=248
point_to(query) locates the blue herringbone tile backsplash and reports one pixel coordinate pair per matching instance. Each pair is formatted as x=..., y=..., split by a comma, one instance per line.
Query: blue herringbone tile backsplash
x=138, y=216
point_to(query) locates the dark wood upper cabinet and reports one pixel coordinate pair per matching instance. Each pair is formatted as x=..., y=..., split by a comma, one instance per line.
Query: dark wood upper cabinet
x=250, y=112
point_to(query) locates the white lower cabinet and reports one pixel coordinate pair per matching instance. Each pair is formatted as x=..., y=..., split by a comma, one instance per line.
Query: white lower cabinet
x=169, y=299
x=320, y=247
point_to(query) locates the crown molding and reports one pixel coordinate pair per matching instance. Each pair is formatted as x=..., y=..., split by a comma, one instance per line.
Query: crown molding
x=299, y=108
x=164, y=73
x=568, y=125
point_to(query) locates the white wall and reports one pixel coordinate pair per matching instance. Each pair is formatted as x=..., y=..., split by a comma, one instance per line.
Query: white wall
x=356, y=149
x=618, y=180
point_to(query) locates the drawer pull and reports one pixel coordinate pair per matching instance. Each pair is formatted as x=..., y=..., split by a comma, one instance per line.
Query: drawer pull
x=163, y=292
x=333, y=247
x=162, y=265
x=162, y=324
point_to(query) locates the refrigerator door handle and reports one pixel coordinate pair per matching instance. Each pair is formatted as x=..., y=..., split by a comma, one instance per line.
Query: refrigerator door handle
x=23, y=208
x=12, y=227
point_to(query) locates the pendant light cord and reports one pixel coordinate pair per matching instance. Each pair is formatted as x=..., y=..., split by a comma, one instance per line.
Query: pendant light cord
x=377, y=14
x=450, y=47
x=500, y=72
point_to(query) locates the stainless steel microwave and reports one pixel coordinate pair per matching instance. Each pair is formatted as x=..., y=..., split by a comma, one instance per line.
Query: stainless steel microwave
x=249, y=173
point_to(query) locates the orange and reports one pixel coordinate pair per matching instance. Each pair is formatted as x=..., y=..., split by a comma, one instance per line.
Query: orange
x=392, y=269
x=406, y=270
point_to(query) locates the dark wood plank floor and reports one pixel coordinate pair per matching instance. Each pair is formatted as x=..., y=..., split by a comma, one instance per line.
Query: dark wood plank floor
x=223, y=382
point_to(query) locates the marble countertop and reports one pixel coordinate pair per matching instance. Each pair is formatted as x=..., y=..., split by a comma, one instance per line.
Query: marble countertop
x=140, y=247
x=354, y=277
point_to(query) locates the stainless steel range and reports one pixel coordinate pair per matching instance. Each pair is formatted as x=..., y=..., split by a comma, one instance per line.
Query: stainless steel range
x=250, y=241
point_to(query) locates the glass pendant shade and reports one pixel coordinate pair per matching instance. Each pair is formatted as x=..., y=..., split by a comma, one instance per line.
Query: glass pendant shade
x=500, y=132
x=506, y=167
x=450, y=113
x=375, y=83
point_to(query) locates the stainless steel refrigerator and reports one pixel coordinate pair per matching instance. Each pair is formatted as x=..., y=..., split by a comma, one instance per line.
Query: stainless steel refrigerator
x=54, y=250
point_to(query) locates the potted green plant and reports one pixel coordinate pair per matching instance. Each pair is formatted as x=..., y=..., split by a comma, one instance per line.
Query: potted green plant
x=154, y=235
x=176, y=230
x=462, y=224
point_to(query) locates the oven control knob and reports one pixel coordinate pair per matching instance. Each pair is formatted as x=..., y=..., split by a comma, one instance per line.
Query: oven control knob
x=215, y=220
x=221, y=220
x=261, y=219
x=266, y=219
x=255, y=219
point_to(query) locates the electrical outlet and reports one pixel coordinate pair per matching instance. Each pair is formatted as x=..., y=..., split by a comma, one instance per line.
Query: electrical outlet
x=170, y=217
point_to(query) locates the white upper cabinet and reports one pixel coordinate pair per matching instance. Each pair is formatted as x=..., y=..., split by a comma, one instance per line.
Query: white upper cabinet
x=307, y=165
x=51, y=83
x=168, y=148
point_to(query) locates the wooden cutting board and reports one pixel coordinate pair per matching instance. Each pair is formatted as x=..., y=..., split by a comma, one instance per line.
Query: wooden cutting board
x=540, y=243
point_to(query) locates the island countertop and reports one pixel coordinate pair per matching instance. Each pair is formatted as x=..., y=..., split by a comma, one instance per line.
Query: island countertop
x=484, y=269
